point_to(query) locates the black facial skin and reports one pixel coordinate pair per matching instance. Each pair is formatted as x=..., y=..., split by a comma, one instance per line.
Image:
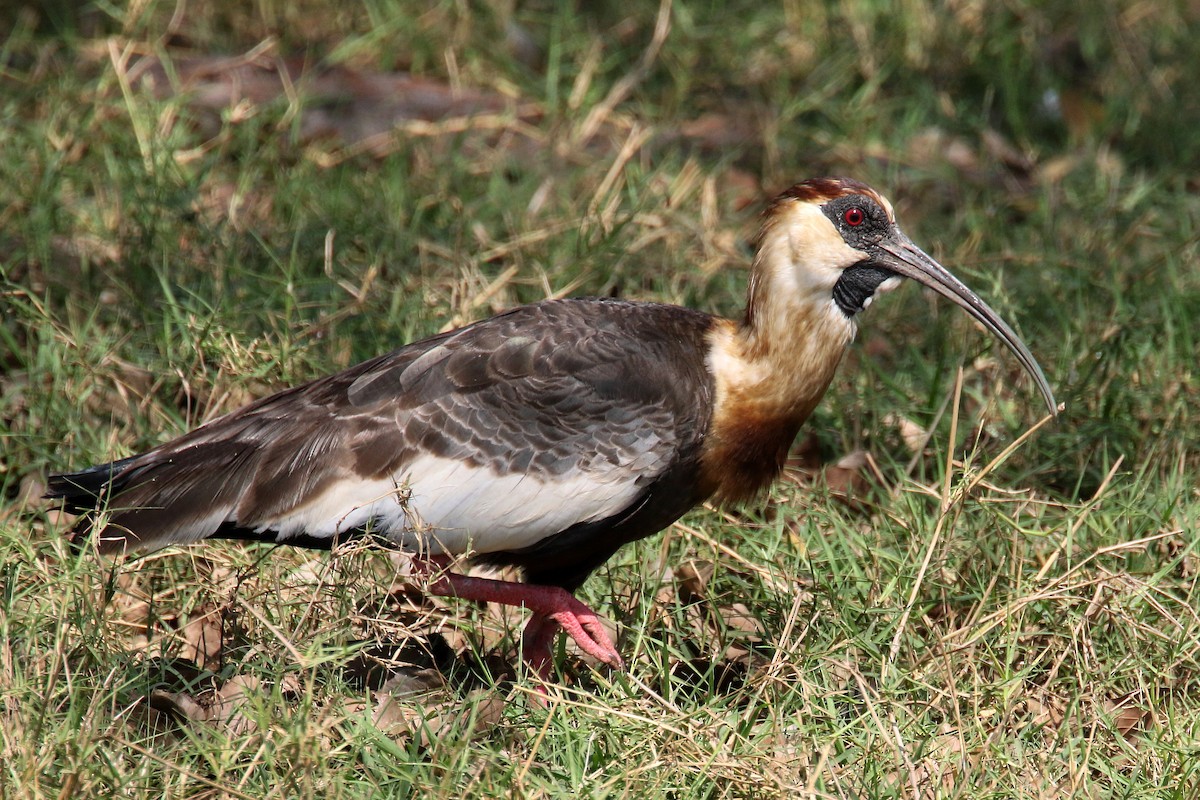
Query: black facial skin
x=859, y=282
x=875, y=224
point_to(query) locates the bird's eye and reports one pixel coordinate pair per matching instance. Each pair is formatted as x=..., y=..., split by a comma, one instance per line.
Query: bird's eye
x=854, y=216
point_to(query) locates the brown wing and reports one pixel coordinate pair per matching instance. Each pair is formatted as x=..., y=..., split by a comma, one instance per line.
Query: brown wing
x=491, y=438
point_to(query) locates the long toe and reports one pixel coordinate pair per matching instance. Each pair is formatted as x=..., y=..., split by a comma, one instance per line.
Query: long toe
x=589, y=633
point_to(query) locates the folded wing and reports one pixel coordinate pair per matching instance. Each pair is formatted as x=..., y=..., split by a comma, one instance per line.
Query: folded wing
x=488, y=439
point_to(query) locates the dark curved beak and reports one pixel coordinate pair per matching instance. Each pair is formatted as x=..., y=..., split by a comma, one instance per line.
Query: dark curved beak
x=898, y=253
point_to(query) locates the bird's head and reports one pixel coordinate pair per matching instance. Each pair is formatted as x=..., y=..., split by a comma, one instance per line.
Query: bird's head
x=833, y=243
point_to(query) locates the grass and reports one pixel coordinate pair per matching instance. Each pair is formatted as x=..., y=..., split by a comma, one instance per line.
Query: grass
x=969, y=622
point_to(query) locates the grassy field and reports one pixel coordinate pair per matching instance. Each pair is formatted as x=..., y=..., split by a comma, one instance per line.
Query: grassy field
x=932, y=604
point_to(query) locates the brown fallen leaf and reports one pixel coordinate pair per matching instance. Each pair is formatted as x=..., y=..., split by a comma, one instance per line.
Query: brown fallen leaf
x=1128, y=716
x=368, y=112
x=203, y=636
x=933, y=147
x=739, y=617
x=237, y=692
x=222, y=707
x=1054, y=170
x=392, y=716
x=914, y=436
x=691, y=580
x=847, y=479
x=180, y=705
x=937, y=770
x=242, y=208
x=667, y=591
x=1047, y=710
x=747, y=633
x=210, y=707
x=742, y=189
x=431, y=722
x=1002, y=150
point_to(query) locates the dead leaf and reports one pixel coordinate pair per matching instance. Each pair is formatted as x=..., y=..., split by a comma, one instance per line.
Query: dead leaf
x=179, y=705
x=30, y=491
x=667, y=591
x=222, y=707
x=933, y=147
x=914, y=436
x=289, y=686
x=431, y=722
x=1047, y=711
x=391, y=715
x=1129, y=717
x=203, y=636
x=738, y=617
x=691, y=580
x=411, y=680
x=847, y=479
x=748, y=636
x=237, y=692
x=743, y=189
x=241, y=208
x=1054, y=170
x=942, y=753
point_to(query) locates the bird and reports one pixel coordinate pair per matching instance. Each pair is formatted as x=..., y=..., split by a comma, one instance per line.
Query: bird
x=544, y=438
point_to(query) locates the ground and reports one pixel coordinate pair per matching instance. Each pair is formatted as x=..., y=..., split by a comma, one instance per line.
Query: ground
x=203, y=203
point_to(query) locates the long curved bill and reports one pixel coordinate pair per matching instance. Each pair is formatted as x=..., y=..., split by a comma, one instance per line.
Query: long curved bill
x=901, y=256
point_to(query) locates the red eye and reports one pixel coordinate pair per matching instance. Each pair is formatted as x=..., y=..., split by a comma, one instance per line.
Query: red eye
x=854, y=216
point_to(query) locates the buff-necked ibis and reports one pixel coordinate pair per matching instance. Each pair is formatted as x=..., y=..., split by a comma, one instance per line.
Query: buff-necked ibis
x=544, y=438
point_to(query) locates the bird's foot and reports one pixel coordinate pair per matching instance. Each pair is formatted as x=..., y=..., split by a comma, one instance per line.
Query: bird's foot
x=553, y=607
x=578, y=621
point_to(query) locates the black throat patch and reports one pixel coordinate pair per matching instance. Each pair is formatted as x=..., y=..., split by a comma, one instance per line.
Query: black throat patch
x=858, y=284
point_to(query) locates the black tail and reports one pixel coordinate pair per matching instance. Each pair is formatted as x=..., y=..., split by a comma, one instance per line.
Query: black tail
x=87, y=489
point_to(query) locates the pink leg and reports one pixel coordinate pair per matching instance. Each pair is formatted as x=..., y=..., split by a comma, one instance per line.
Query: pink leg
x=537, y=644
x=553, y=608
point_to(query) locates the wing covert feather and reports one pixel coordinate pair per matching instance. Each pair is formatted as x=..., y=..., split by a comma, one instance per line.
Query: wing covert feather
x=563, y=409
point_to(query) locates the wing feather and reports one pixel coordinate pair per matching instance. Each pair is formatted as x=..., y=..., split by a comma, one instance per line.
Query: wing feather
x=490, y=438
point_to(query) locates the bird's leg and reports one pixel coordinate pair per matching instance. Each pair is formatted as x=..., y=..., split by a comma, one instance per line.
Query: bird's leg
x=553, y=608
x=537, y=644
